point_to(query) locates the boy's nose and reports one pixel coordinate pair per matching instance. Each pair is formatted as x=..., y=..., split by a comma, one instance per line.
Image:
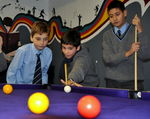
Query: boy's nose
x=114, y=18
x=66, y=51
x=42, y=42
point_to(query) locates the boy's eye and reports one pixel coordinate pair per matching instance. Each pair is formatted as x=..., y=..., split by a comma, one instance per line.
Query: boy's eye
x=45, y=39
x=110, y=16
x=63, y=48
x=37, y=38
x=117, y=14
x=70, y=48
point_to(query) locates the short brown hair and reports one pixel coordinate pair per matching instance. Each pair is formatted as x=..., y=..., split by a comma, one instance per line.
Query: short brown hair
x=39, y=27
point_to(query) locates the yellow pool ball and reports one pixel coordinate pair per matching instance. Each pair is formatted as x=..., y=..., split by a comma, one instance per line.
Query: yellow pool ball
x=38, y=103
x=7, y=89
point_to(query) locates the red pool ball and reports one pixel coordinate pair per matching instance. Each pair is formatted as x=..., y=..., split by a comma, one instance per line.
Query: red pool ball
x=7, y=89
x=89, y=107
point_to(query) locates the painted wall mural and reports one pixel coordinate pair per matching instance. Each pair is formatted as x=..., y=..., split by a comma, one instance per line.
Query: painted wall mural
x=89, y=16
x=28, y=12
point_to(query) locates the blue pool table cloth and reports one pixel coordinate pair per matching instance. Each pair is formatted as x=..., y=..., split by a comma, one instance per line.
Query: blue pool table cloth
x=115, y=103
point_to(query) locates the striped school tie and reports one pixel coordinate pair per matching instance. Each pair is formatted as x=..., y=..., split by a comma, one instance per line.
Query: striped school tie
x=38, y=72
x=119, y=33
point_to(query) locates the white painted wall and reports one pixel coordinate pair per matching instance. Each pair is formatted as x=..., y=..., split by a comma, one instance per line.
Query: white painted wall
x=69, y=10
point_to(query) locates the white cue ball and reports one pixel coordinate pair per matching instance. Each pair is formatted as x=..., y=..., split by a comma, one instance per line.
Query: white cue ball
x=67, y=89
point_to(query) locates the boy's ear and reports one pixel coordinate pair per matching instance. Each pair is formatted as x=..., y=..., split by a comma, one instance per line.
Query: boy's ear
x=31, y=38
x=125, y=13
x=78, y=48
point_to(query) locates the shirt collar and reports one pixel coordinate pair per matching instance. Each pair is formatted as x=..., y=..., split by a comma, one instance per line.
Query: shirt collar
x=122, y=29
x=35, y=51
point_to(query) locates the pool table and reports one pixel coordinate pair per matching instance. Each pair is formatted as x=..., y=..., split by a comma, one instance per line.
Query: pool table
x=115, y=103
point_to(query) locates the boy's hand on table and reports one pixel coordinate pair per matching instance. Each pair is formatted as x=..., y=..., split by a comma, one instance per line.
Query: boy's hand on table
x=71, y=83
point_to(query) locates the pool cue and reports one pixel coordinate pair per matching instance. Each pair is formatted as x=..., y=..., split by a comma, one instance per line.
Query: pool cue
x=66, y=74
x=135, y=63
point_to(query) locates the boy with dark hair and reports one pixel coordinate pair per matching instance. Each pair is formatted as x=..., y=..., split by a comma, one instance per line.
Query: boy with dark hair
x=7, y=21
x=10, y=39
x=119, y=48
x=31, y=62
x=81, y=70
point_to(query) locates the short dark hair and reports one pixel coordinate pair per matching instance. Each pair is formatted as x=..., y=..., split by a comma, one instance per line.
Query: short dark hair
x=71, y=37
x=116, y=4
x=39, y=27
x=7, y=21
